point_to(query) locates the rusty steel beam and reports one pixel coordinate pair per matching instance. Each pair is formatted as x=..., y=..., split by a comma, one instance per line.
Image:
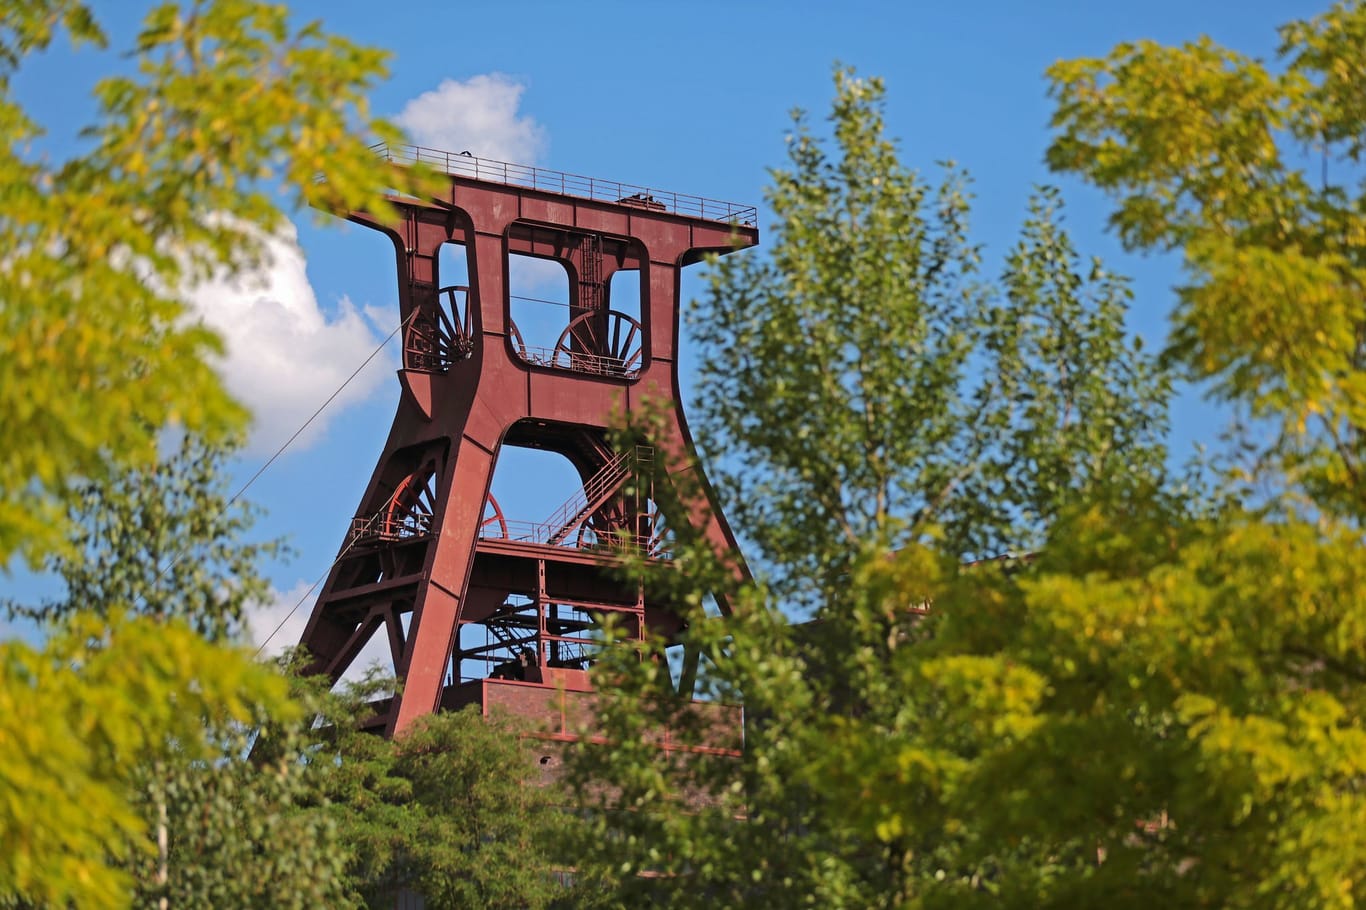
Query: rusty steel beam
x=469, y=385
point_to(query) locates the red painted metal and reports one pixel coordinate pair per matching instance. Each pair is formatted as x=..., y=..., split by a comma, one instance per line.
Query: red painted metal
x=430, y=560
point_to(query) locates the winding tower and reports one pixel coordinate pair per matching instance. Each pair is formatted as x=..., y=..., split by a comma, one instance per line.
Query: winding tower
x=474, y=606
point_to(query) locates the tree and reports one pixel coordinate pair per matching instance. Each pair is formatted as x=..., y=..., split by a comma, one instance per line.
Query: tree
x=234, y=830
x=223, y=104
x=202, y=825
x=1254, y=174
x=82, y=720
x=1164, y=704
x=220, y=105
x=870, y=388
x=1155, y=711
x=453, y=810
x=885, y=413
x=163, y=540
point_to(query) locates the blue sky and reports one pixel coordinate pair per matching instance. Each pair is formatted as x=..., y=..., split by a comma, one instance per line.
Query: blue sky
x=691, y=97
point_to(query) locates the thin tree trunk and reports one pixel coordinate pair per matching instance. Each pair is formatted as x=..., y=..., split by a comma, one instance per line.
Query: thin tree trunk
x=163, y=844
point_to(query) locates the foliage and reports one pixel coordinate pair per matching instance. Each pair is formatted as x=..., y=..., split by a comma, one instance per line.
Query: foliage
x=162, y=539
x=480, y=828
x=453, y=810
x=81, y=720
x=1150, y=714
x=1254, y=173
x=1164, y=704
x=312, y=811
x=236, y=834
x=222, y=103
x=864, y=380
x=1151, y=711
x=875, y=396
x=211, y=827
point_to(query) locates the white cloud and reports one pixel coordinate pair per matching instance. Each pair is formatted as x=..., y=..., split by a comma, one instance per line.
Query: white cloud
x=285, y=356
x=531, y=276
x=479, y=115
x=279, y=625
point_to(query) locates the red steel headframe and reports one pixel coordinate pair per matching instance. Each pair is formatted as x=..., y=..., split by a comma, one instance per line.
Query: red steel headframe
x=429, y=556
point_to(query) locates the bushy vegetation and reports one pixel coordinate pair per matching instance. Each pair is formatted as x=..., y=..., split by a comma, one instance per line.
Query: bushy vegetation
x=1154, y=696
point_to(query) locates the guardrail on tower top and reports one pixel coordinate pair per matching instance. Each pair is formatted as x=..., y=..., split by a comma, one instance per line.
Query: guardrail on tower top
x=463, y=164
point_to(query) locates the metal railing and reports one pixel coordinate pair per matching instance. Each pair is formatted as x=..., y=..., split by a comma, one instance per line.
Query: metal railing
x=544, y=533
x=592, y=364
x=384, y=527
x=609, y=476
x=463, y=164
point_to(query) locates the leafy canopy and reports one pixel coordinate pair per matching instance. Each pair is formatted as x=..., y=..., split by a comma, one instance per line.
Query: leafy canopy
x=224, y=104
x=456, y=809
x=867, y=385
x=1254, y=172
x=122, y=725
x=164, y=540
x=1163, y=705
x=82, y=719
x=885, y=410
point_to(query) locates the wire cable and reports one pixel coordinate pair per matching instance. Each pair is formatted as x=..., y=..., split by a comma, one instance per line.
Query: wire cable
x=311, y=588
x=563, y=303
x=297, y=433
x=280, y=451
x=294, y=609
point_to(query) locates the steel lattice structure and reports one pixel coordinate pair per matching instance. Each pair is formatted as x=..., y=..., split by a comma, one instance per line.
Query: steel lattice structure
x=475, y=606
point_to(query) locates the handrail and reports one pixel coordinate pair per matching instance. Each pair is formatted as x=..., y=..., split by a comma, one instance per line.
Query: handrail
x=574, y=361
x=463, y=164
x=543, y=534
x=554, y=531
x=608, y=476
x=381, y=526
